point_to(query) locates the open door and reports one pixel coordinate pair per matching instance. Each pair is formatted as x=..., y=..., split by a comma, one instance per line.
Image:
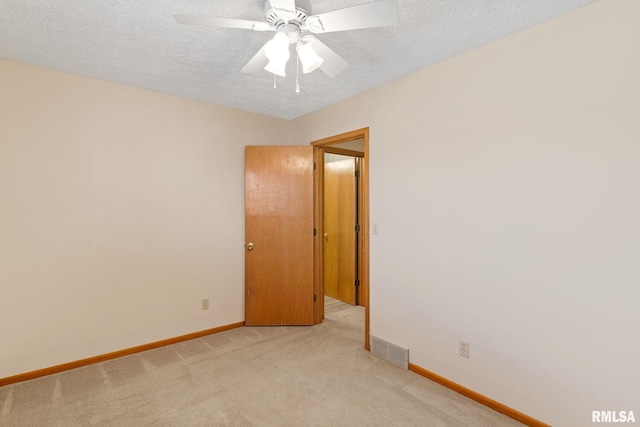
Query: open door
x=279, y=247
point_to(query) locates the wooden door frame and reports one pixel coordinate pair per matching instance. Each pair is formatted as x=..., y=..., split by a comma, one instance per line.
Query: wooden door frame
x=320, y=146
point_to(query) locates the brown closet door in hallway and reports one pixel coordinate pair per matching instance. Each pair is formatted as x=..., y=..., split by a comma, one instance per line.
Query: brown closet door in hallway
x=339, y=246
x=279, y=235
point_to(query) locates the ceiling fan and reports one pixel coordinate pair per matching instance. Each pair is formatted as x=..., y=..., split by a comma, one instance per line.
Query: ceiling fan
x=291, y=22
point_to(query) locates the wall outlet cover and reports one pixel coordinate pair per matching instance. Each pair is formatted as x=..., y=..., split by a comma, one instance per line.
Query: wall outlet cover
x=463, y=348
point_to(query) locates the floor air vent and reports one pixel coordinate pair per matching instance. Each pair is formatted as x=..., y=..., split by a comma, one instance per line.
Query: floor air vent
x=397, y=355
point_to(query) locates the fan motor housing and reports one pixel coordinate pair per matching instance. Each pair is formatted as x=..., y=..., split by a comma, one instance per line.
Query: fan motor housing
x=273, y=18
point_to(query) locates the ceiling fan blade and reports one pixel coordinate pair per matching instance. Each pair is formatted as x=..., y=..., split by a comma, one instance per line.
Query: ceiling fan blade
x=285, y=9
x=379, y=13
x=257, y=63
x=215, y=21
x=333, y=63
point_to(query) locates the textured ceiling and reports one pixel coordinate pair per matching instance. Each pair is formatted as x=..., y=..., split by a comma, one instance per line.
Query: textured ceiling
x=138, y=43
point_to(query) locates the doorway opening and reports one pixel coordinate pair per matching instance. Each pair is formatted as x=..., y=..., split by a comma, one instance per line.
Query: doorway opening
x=341, y=228
x=341, y=220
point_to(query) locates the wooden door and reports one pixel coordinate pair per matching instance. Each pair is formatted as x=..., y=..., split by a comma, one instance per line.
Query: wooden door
x=279, y=235
x=340, y=218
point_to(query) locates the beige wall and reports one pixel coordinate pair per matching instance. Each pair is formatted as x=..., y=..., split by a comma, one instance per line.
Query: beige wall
x=120, y=210
x=505, y=185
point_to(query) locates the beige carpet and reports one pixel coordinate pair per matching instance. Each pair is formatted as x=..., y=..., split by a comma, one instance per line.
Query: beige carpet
x=268, y=376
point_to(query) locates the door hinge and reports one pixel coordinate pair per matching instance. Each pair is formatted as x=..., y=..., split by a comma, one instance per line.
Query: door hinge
x=357, y=283
x=357, y=174
x=315, y=297
x=315, y=232
x=314, y=165
x=357, y=228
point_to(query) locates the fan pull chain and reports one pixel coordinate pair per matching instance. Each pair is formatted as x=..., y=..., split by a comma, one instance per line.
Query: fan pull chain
x=297, y=68
x=274, y=82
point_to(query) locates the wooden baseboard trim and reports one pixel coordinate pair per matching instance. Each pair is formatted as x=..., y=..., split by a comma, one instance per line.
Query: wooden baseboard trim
x=496, y=406
x=120, y=353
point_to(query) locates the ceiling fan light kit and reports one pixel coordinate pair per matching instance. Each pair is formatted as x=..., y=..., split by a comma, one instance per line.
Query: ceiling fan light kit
x=308, y=57
x=290, y=22
x=277, y=51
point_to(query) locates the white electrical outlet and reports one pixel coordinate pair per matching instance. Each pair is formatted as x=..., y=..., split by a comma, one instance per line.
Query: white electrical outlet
x=205, y=303
x=463, y=347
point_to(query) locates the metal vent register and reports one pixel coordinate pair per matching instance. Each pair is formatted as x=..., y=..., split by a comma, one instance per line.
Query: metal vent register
x=397, y=355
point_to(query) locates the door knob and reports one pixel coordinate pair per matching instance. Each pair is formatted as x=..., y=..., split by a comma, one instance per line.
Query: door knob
x=249, y=246
x=326, y=236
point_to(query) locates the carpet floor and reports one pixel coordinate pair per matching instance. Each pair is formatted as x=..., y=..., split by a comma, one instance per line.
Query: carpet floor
x=260, y=376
